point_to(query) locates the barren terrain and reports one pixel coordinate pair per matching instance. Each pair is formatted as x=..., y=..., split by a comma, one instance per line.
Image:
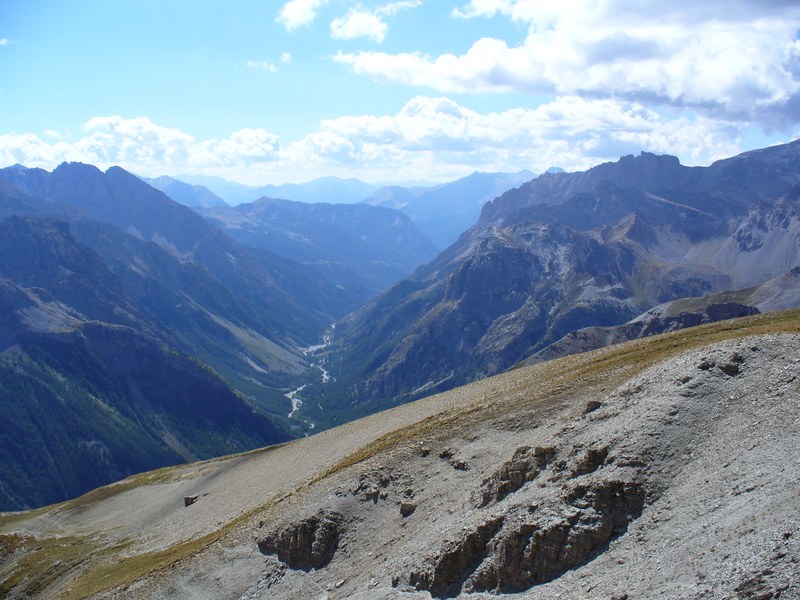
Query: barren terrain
x=666, y=467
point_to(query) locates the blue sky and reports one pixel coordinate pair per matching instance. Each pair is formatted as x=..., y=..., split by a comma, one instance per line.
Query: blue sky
x=393, y=90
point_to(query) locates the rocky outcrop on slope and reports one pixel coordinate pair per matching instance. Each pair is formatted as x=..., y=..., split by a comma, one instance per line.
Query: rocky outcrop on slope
x=523, y=547
x=623, y=492
x=307, y=544
x=523, y=467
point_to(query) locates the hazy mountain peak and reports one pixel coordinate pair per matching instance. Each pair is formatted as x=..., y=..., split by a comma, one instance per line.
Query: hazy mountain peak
x=193, y=196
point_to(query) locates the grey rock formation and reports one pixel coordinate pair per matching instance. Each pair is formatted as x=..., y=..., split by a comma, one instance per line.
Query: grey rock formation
x=306, y=544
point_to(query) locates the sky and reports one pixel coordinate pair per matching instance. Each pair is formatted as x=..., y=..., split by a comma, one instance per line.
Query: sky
x=391, y=90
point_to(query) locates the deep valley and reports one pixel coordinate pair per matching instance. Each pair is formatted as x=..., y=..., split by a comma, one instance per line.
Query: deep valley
x=601, y=368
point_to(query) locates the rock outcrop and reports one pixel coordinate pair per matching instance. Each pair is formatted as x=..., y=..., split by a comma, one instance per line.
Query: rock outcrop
x=307, y=544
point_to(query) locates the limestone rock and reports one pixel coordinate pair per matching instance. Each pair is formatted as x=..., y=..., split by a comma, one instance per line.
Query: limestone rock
x=523, y=467
x=307, y=544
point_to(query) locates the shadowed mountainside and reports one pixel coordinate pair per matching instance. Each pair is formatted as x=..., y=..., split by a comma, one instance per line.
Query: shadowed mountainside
x=567, y=251
x=87, y=402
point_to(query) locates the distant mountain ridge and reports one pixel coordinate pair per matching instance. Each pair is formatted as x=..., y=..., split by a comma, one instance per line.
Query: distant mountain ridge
x=358, y=247
x=334, y=190
x=193, y=196
x=444, y=211
x=441, y=211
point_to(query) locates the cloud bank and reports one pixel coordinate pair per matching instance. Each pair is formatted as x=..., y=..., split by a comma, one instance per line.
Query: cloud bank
x=735, y=60
x=430, y=138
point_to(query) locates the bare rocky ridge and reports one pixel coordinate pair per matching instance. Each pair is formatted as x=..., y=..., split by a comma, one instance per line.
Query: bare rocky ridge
x=660, y=468
x=568, y=251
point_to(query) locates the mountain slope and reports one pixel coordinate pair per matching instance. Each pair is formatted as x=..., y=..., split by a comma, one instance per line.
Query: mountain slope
x=143, y=286
x=85, y=403
x=360, y=248
x=562, y=252
x=635, y=460
x=776, y=294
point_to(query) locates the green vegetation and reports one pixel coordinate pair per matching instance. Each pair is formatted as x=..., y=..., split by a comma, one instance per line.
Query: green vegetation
x=84, y=409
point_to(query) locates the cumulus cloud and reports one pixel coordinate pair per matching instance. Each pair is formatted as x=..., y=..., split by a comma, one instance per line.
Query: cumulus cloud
x=359, y=23
x=737, y=60
x=298, y=13
x=364, y=23
x=286, y=58
x=143, y=147
x=429, y=138
x=4, y=42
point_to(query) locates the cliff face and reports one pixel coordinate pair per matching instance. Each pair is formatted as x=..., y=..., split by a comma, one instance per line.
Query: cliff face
x=665, y=467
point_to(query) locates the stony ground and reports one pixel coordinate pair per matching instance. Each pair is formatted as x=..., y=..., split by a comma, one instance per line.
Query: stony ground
x=633, y=472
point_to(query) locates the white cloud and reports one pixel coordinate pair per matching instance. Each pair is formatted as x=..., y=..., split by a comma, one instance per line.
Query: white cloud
x=143, y=147
x=261, y=65
x=428, y=139
x=286, y=58
x=4, y=42
x=363, y=23
x=359, y=23
x=740, y=60
x=393, y=8
x=298, y=13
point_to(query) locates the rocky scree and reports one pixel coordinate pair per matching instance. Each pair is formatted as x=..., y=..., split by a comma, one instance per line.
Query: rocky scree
x=443, y=517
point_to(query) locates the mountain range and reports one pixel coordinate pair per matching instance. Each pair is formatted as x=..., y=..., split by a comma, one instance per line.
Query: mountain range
x=442, y=212
x=562, y=252
x=334, y=190
x=446, y=210
x=295, y=317
x=358, y=247
x=136, y=330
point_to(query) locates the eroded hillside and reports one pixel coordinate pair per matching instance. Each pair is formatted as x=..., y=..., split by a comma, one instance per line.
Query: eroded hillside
x=664, y=467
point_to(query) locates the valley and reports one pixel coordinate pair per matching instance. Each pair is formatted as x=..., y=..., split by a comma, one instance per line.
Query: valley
x=414, y=414
x=399, y=300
